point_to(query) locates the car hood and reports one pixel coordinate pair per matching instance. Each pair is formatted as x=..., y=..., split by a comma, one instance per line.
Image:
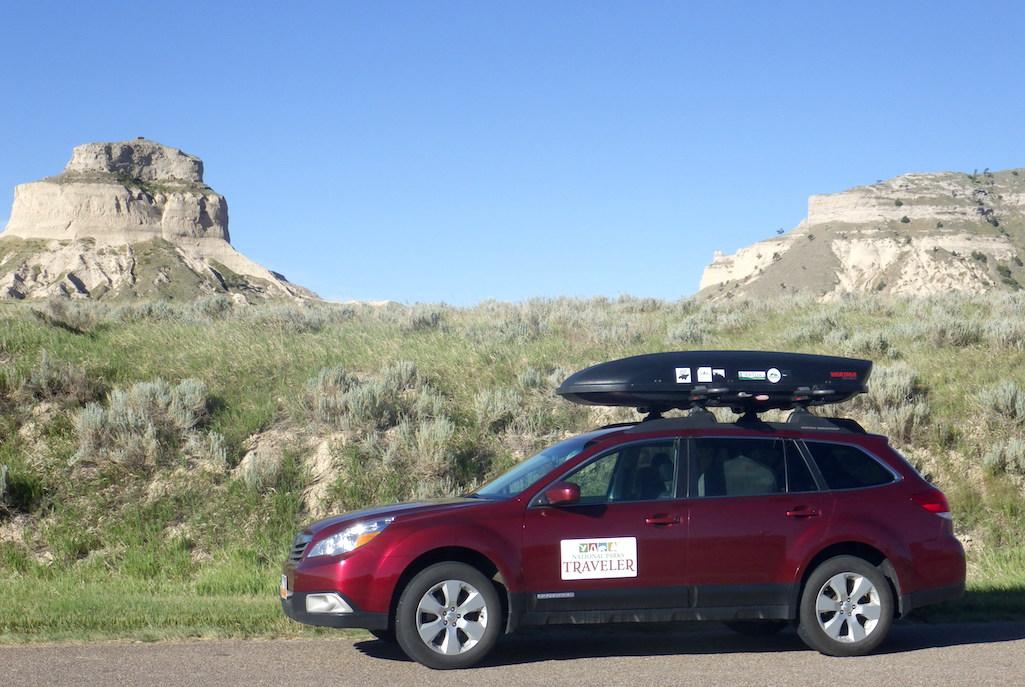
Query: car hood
x=395, y=510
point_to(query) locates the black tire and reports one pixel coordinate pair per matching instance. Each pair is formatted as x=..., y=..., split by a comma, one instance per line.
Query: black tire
x=489, y=617
x=849, y=620
x=387, y=636
x=756, y=628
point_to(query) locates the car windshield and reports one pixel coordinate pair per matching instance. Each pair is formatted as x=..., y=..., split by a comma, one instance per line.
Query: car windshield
x=532, y=469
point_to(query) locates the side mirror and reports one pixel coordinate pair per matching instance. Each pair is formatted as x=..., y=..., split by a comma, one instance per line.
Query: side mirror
x=562, y=494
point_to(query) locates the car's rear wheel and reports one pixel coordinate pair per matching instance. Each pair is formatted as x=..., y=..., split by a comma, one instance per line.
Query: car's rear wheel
x=756, y=628
x=846, y=607
x=448, y=616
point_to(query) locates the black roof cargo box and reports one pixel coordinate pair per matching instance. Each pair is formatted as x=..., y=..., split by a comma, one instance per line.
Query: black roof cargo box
x=747, y=381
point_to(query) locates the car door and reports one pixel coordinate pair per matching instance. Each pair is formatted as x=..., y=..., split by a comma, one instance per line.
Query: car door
x=753, y=506
x=622, y=546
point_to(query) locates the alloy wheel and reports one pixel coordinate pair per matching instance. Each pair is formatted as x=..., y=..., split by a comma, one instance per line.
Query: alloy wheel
x=451, y=617
x=848, y=607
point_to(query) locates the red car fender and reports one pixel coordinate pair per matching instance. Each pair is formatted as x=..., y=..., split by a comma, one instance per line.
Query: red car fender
x=504, y=554
x=415, y=544
x=869, y=535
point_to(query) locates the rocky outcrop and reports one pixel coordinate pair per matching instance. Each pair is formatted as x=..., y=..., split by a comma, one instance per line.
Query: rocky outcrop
x=264, y=453
x=139, y=159
x=129, y=218
x=121, y=193
x=915, y=234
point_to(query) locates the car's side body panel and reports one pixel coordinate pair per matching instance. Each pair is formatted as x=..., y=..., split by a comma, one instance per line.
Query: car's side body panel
x=756, y=542
x=655, y=562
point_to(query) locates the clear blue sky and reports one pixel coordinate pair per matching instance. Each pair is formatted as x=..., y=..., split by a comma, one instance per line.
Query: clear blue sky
x=459, y=151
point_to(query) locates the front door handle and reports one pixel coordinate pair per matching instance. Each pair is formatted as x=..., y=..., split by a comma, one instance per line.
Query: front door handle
x=662, y=519
x=803, y=512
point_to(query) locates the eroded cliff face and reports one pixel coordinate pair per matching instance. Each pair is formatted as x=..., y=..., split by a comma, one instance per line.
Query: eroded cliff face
x=139, y=159
x=132, y=219
x=914, y=234
x=121, y=193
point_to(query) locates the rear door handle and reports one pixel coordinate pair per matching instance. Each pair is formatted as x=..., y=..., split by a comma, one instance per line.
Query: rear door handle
x=662, y=519
x=803, y=512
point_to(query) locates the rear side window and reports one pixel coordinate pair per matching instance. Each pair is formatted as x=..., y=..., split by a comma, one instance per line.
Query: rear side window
x=798, y=475
x=737, y=467
x=847, y=467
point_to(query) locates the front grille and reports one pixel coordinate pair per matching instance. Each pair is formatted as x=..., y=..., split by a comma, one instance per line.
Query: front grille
x=299, y=545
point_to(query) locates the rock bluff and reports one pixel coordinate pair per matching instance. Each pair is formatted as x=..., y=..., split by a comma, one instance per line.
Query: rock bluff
x=121, y=193
x=129, y=218
x=914, y=234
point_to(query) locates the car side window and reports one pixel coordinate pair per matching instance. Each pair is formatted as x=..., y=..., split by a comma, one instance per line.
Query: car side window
x=635, y=472
x=799, y=477
x=847, y=467
x=595, y=479
x=737, y=467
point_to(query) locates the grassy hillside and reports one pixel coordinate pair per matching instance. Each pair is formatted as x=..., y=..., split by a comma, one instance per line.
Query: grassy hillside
x=130, y=508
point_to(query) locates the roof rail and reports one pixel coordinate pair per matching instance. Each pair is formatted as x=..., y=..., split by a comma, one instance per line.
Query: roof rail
x=797, y=420
x=802, y=419
x=695, y=421
x=617, y=425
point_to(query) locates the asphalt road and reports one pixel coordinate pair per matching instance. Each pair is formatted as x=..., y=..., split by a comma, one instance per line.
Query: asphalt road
x=928, y=655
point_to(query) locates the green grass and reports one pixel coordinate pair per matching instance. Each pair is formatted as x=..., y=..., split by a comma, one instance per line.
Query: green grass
x=996, y=590
x=119, y=608
x=183, y=549
x=68, y=610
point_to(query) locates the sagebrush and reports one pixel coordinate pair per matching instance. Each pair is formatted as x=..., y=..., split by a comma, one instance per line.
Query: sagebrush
x=123, y=426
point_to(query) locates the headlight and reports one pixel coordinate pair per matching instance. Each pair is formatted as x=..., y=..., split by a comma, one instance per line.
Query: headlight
x=350, y=538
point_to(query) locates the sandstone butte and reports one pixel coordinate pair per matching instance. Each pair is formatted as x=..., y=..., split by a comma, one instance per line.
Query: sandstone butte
x=915, y=234
x=128, y=220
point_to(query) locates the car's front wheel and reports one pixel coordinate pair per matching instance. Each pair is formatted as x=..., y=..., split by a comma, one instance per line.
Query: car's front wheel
x=846, y=607
x=448, y=616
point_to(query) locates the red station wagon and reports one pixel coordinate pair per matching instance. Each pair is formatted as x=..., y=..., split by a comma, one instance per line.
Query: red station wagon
x=811, y=521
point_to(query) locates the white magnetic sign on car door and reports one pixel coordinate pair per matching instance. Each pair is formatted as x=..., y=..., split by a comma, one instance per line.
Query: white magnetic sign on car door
x=592, y=559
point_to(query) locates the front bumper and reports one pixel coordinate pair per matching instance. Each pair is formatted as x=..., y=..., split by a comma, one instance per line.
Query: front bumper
x=295, y=608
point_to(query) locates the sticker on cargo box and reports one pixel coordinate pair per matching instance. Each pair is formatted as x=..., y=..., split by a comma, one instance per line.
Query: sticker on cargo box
x=594, y=559
x=751, y=375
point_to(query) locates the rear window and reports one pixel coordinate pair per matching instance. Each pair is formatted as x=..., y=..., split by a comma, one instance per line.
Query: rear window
x=848, y=467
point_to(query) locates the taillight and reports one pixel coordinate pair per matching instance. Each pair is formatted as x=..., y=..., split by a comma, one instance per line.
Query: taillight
x=933, y=501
